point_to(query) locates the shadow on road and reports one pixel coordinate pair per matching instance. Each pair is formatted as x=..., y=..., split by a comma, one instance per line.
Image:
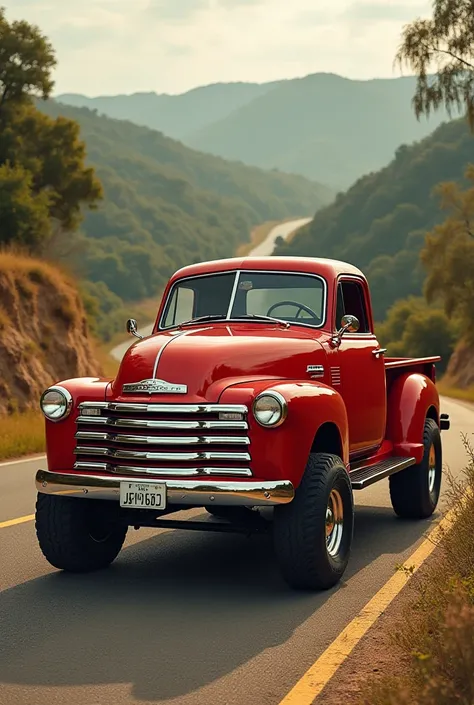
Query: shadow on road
x=174, y=613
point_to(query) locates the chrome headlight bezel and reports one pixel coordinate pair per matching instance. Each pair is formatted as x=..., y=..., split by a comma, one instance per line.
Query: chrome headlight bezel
x=65, y=407
x=282, y=403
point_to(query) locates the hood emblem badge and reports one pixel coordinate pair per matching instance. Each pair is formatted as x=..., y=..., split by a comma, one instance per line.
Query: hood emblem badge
x=154, y=386
x=315, y=371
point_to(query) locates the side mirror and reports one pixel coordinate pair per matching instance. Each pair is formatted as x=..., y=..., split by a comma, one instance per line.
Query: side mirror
x=132, y=328
x=349, y=324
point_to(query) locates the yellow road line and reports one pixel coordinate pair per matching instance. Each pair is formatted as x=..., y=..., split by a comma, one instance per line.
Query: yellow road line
x=323, y=669
x=14, y=522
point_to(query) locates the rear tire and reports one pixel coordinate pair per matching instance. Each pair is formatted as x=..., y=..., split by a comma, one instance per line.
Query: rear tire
x=77, y=535
x=313, y=533
x=415, y=491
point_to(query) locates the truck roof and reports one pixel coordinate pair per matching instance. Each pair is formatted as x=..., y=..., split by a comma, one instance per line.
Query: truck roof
x=328, y=268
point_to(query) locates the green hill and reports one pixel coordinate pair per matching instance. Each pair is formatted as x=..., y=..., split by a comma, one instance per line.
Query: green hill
x=175, y=115
x=379, y=224
x=166, y=206
x=322, y=126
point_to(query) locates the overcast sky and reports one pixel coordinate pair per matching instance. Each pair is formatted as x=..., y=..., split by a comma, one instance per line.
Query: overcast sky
x=122, y=46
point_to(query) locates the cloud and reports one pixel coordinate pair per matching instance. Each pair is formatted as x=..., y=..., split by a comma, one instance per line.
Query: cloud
x=233, y=4
x=176, y=10
x=125, y=46
x=382, y=12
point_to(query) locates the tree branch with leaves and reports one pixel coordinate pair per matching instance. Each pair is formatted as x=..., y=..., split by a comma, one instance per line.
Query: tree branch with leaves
x=440, y=51
x=26, y=61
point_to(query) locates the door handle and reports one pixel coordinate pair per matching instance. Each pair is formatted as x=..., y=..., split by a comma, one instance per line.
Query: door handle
x=379, y=351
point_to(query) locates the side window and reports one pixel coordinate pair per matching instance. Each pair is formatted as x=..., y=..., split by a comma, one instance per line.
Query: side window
x=353, y=301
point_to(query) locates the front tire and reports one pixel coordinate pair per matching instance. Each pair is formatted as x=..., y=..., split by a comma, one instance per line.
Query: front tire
x=77, y=535
x=313, y=533
x=415, y=491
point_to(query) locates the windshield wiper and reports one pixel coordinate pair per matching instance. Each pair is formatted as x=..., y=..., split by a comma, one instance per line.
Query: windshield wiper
x=262, y=317
x=213, y=317
x=223, y=317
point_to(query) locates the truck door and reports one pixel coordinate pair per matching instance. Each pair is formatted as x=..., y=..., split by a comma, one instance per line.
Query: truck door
x=361, y=373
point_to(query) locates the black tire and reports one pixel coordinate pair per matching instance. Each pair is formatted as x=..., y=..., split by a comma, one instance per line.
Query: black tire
x=306, y=557
x=413, y=494
x=78, y=535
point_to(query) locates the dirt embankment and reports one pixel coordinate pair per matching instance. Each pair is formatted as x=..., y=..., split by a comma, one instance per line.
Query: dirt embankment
x=43, y=332
x=460, y=370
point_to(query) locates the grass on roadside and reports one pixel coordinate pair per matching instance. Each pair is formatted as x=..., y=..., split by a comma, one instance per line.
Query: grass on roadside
x=435, y=635
x=21, y=434
x=448, y=390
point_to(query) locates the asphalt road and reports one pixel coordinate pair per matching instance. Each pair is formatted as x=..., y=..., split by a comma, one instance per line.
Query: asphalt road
x=265, y=248
x=181, y=617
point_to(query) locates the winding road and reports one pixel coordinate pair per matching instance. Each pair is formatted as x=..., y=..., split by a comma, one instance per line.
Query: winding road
x=181, y=618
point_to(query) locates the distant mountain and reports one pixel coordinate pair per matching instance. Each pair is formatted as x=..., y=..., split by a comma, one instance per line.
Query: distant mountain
x=380, y=223
x=175, y=115
x=166, y=206
x=323, y=126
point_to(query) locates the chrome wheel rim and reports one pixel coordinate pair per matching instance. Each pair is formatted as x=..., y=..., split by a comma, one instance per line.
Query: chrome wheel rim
x=334, y=523
x=432, y=469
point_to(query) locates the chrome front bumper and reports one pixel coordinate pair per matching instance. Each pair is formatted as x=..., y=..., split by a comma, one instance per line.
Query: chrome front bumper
x=199, y=493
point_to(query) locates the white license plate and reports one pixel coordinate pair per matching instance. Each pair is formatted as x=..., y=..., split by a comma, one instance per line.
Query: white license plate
x=140, y=495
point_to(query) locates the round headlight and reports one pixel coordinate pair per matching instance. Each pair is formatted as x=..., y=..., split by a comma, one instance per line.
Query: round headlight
x=56, y=403
x=270, y=409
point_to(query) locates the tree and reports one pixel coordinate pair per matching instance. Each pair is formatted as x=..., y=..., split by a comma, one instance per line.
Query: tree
x=448, y=254
x=24, y=216
x=446, y=43
x=48, y=154
x=26, y=61
x=414, y=329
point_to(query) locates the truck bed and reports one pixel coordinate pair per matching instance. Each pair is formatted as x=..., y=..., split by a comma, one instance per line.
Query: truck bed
x=394, y=366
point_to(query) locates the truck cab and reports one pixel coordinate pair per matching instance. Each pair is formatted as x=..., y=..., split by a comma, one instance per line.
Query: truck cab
x=262, y=384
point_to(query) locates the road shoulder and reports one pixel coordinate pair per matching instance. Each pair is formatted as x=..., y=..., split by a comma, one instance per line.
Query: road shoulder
x=377, y=654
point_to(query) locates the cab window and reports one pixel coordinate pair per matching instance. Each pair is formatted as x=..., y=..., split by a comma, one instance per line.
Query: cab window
x=351, y=301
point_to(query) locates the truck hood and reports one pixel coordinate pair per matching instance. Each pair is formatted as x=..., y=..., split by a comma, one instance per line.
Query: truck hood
x=207, y=359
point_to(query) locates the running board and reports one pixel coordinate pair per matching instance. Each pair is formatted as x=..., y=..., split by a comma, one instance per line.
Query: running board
x=367, y=475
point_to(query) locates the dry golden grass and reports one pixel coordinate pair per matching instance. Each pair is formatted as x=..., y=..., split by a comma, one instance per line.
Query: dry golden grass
x=448, y=390
x=21, y=434
x=39, y=271
x=436, y=631
x=28, y=274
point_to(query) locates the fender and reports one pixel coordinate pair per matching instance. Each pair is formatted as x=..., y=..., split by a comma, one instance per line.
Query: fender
x=411, y=399
x=60, y=435
x=282, y=452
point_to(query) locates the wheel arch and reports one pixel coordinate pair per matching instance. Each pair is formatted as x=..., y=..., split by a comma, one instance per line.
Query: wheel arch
x=317, y=418
x=328, y=440
x=412, y=399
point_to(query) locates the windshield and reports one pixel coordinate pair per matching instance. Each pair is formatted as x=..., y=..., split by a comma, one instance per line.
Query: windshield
x=296, y=298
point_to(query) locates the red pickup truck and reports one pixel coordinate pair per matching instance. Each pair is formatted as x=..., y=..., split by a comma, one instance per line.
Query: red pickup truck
x=262, y=385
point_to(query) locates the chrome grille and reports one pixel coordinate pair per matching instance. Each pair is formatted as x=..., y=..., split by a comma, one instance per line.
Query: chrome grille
x=185, y=440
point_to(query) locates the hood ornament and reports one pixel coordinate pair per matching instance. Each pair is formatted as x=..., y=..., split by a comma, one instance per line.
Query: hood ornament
x=154, y=386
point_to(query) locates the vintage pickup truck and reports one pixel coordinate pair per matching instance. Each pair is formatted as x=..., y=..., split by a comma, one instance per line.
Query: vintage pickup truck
x=262, y=385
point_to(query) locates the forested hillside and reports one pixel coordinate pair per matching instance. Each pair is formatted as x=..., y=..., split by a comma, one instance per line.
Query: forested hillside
x=175, y=115
x=323, y=126
x=165, y=206
x=380, y=223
